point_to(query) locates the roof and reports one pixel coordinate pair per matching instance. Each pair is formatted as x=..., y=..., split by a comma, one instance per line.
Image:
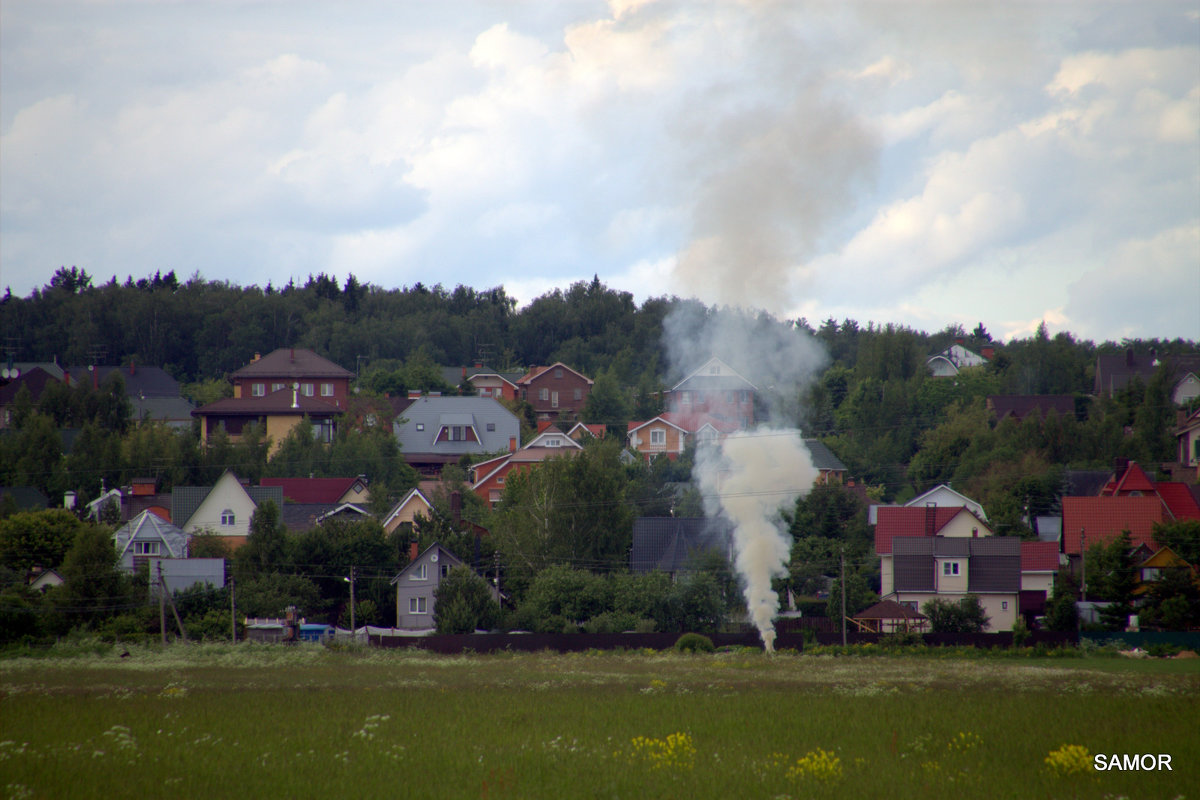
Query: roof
x=714, y=374
x=822, y=457
x=186, y=499
x=1103, y=519
x=1022, y=405
x=453, y=376
x=1039, y=556
x=292, y=362
x=1129, y=480
x=26, y=498
x=312, y=490
x=415, y=493
x=994, y=562
x=1113, y=372
x=165, y=409
x=899, y=521
x=426, y=416
x=139, y=381
x=428, y=551
x=526, y=455
x=535, y=372
x=662, y=418
x=35, y=380
x=146, y=526
x=667, y=544
x=282, y=401
x=1180, y=499
x=1085, y=482
x=889, y=609
x=598, y=430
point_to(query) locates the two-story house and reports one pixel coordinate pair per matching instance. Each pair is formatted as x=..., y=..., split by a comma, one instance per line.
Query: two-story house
x=715, y=390
x=292, y=367
x=417, y=584
x=555, y=391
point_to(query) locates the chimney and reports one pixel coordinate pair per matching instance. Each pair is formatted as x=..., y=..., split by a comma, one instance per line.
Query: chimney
x=292, y=355
x=295, y=395
x=132, y=367
x=930, y=519
x=456, y=508
x=464, y=373
x=257, y=356
x=478, y=365
x=987, y=351
x=414, y=394
x=412, y=552
x=512, y=444
x=959, y=340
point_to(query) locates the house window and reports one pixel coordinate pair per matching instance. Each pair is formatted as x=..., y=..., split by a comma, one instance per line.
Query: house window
x=275, y=387
x=420, y=426
x=911, y=605
x=258, y=389
x=445, y=570
x=579, y=394
x=417, y=605
x=326, y=390
x=554, y=442
x=554, y=400
x=658, y=436
x=306, y=389
x=500, y=479
x=228, y=517
x=714, y=370
x=1004, y=605
x=949, y=568
x=558, y=373
x=494, y=497
x=745, y=397
x=421, y=573
x=685, y=398
x=543, y=394
x=145, y=548
x=491, y=426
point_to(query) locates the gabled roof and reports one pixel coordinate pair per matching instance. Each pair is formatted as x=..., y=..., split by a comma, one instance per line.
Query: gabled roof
x=185, y=500
x=1180, y=499
x=313, y=490
x=1113, y=372
x=661, y=418
x=146, y=526
x=1125, y=482
x=281, y=402
x=596, y=430
x=1039, y=556
x=36, y=380
x=454, y=376
x=553, y=432
x=901, y=521
x=428, y=415
x=433, y=549
x=822, y=457
x=292, y=362
x=1163, y=557
x=536, y=372
x=26, y=498
x=1103, y=519
x=414, y=494
x=714, y=374
x=667, y=544
x=139, y=381
x=526, y=455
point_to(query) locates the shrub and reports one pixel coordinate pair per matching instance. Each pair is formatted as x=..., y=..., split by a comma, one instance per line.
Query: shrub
x=694, y=643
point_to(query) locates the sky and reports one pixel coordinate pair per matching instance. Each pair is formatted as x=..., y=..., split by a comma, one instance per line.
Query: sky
x=919, y=163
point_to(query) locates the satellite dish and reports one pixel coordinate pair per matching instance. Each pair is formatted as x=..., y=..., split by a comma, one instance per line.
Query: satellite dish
x=433, y=557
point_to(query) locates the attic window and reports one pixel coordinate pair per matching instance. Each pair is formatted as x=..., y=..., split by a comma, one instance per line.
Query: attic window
x=145, y=548
x=420, y=573
x=558, y=373
x=228, y=517
x=491, y=426
x=949, y=568
x=420, y=426
x=714, y=370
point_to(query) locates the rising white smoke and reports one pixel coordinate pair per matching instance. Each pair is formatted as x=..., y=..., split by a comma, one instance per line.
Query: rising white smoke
x=747, y=479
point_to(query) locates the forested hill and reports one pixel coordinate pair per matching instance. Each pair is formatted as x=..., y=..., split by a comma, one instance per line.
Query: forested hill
x=200, y=330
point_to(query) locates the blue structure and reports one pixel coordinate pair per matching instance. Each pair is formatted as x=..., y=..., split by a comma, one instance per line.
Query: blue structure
x=312, y=632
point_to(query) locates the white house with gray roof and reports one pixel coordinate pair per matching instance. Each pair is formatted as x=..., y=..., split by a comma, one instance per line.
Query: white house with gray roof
x=438, y=430
x=148, y=536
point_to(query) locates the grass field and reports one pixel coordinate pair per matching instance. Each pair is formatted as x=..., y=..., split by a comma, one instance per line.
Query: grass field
x=270, y=721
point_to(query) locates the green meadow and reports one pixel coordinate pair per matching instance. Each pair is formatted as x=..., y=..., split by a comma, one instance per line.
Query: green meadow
x=213, y=721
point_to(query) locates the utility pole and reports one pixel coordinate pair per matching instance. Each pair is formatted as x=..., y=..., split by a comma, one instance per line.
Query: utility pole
x=499, y=597
x=232, y=612
x=1083, y=579
x=162, y=607
x=352, y=625
x=843, y=550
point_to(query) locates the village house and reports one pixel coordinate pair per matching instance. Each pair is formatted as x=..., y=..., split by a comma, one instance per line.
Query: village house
x=556, y=391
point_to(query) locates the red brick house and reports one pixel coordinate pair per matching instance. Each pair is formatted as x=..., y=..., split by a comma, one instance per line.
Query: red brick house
x=488, y=477
x=555, y=391
x=317, y=377
x=717, y=390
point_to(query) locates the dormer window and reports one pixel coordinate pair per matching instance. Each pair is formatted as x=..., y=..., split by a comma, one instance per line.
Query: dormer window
x=950, y=569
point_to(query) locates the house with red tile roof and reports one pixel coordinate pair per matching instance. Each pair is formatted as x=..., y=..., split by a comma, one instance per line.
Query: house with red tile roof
x=1130, y=480
x=899, y=522
x=1088, y=521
